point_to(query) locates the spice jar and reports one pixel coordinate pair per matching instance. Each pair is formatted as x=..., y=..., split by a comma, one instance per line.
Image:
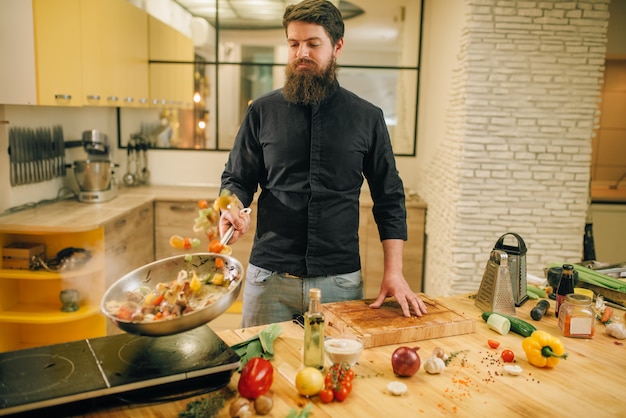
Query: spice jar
x=576, y=316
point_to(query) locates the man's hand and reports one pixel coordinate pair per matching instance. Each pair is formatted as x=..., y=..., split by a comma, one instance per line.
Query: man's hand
x=398, y=287
x=240, y=219
x=394, y=284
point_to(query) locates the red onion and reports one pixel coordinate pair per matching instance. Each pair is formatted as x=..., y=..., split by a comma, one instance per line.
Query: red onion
x=405, y=361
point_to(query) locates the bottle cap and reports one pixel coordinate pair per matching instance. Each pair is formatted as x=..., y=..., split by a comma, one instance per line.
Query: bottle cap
x=315, y=293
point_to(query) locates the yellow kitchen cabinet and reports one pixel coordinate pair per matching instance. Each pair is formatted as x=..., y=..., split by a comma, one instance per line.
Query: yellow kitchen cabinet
x=114, y=53
x=30, y=306
x=372, y=251
x=58, y=52
x=171, y=84
x=91, y=52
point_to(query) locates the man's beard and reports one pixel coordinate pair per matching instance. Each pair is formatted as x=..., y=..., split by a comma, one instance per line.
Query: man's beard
x=311, y=86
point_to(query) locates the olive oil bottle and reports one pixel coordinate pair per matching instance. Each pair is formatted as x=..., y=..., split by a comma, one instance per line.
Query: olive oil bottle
x=314, y=331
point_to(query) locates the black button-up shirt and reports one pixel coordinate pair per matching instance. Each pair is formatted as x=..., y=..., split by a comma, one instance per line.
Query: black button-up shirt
x=310, y=162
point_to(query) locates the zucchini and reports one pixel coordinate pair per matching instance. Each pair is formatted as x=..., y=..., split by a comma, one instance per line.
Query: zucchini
x=518, y=326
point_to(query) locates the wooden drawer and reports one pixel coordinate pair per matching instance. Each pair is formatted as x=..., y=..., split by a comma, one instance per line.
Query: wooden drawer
x=173, y=218
x=127, y=255
x=128, y=225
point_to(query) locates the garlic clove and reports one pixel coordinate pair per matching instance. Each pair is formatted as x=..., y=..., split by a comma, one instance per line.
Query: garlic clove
x=396, y=388
x=513, y=370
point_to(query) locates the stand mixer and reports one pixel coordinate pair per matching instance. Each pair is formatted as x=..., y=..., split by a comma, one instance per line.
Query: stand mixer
x=95, y=174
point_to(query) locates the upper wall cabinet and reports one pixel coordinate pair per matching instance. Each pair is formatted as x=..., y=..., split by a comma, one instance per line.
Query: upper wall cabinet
x=58, y=52
x=171, y=79
x=114, y=49
x=74, y=53
x=17, y=49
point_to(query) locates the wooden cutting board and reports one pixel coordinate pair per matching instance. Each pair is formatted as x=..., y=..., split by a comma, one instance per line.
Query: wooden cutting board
x=387, y=325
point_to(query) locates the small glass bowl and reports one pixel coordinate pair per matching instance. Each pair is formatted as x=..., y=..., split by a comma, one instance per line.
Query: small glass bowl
x=343, y=349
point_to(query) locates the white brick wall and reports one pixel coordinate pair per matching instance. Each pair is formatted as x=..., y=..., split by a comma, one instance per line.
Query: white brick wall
x=517, y=150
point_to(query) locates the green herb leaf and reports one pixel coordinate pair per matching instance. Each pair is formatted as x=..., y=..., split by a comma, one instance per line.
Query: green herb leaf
x=206, y=407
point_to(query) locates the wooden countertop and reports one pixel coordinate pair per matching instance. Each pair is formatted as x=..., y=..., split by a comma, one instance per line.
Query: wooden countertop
x=74, y=216
x=591, y=380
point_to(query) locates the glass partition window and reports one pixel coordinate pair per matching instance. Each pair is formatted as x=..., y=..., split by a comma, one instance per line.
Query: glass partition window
x=244, y=57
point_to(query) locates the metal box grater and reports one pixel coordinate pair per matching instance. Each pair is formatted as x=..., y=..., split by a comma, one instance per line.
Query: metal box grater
x=496, y=293
x=517, y=265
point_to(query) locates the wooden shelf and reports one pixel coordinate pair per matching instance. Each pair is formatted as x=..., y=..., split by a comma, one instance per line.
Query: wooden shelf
x=89, y=268
x=46, y=314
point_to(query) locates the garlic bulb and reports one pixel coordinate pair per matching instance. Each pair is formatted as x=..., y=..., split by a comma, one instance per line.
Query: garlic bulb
x=434, y=365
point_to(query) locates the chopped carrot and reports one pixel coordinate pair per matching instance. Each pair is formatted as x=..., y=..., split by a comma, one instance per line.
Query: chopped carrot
x=606, y=315
x=219, y=263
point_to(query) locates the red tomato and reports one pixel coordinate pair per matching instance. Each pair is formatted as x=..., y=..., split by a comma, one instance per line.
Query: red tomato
x=326, y=395
x=507, y=356
x=341, y=394
x=349, y=375
x=493, y=343
x=257, y=376
x=348, y=385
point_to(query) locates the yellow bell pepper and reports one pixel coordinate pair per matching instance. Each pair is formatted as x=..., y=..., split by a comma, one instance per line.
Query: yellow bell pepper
x=195, y=284
x=543, y=349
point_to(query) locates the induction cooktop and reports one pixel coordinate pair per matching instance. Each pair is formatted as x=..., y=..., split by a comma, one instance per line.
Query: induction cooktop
x=125, y=364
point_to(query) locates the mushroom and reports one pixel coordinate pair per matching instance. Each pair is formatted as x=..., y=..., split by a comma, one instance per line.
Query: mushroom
x=240, y=408
x=263, y=404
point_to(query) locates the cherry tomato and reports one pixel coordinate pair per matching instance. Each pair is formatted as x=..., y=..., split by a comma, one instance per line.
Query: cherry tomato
x=326, y=395
x=257, y=376
x=348, y=385
x=493, y=343
x=349, y=375
x=341, y=394
x=328, y=381
x=507, y=356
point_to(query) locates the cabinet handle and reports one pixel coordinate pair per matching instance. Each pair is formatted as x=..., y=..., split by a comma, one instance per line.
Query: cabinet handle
x=143, y=100
x=63, y=97
x=93, y=97
x=182, y=208
x=121, y=250
x=112, y=98
x=120, y=223
x=129, y=99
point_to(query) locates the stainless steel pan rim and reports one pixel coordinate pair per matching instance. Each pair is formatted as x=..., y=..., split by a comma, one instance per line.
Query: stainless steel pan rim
x=166, y=270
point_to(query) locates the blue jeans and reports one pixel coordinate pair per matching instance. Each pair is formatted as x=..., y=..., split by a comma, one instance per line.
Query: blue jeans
x=270, y=296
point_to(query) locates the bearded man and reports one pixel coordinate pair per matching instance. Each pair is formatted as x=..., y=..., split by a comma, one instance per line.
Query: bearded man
x=309, y=146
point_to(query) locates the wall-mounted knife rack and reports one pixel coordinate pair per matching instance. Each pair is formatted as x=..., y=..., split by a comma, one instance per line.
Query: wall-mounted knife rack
x=36, y=155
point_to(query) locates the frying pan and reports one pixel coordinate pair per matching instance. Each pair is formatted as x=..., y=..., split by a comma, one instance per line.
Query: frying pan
x=165, y=271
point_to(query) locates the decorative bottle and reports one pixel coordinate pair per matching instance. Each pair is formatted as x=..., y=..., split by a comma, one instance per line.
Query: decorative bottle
x=565, y=287
x=314, y=331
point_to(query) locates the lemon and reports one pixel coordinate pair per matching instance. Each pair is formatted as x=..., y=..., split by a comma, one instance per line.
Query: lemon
x=309, y=381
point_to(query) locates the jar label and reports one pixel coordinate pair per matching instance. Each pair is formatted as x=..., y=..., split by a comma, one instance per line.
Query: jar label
x=580, y=326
